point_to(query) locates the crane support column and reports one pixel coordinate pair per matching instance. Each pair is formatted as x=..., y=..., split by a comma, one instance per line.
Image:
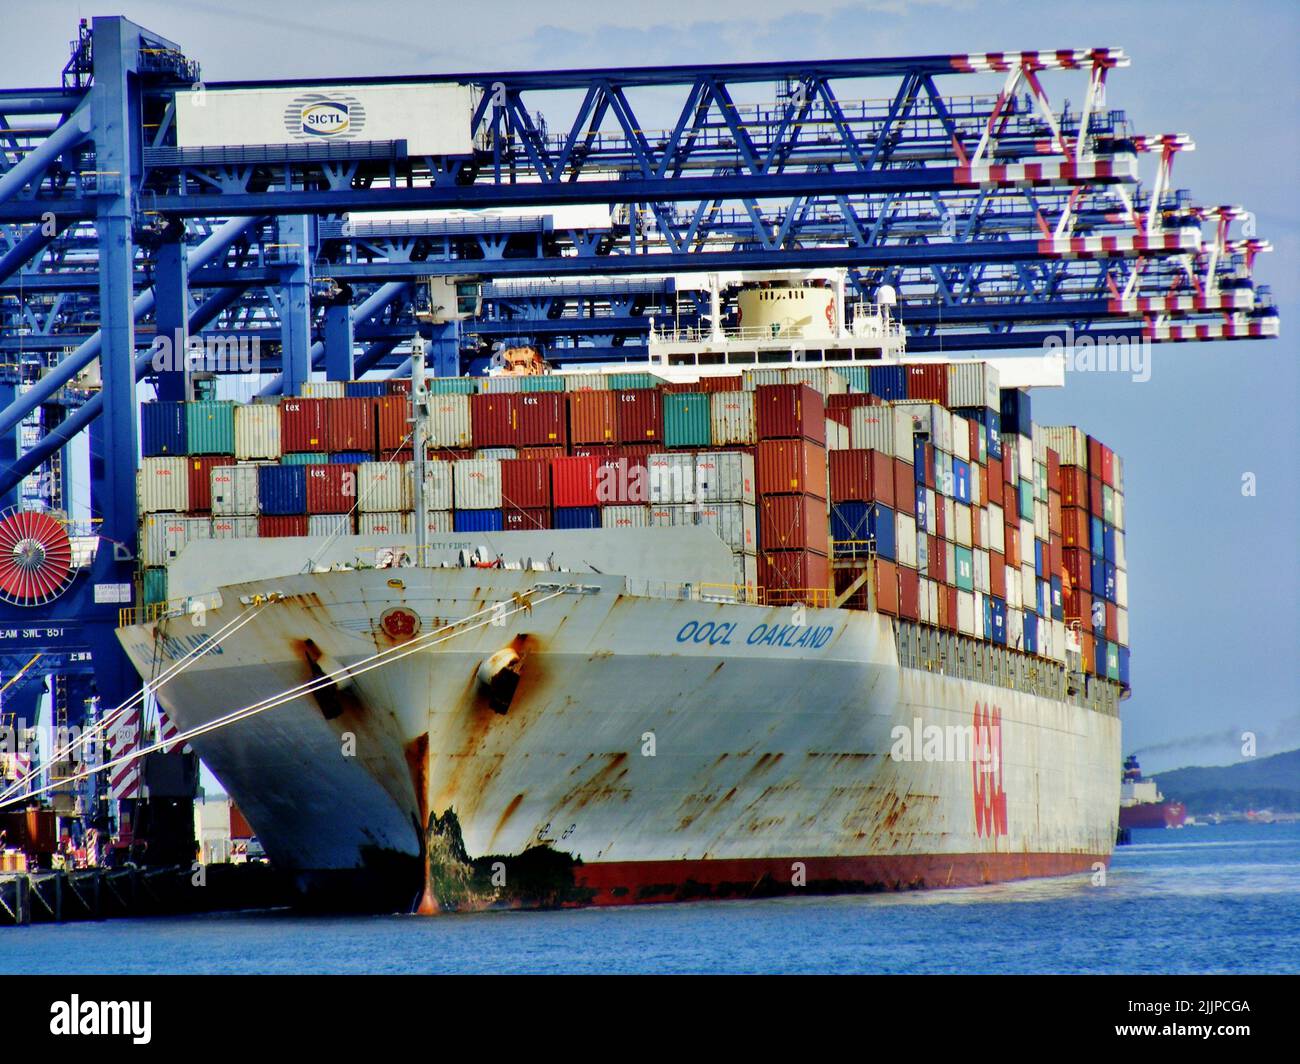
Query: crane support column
x=172, y=292
x=294, y=301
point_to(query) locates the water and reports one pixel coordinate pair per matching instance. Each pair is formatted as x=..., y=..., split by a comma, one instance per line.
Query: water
x=1214, y=899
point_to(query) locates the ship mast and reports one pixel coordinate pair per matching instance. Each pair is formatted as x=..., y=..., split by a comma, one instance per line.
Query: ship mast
x=419, y=412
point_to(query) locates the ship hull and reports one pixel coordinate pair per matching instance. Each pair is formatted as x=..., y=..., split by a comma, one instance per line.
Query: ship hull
x=651, y=750
x=1153, y=815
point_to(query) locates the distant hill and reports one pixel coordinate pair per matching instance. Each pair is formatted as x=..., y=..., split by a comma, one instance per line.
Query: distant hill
x=1261, y=783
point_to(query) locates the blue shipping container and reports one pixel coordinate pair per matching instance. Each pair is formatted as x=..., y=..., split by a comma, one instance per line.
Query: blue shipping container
x=1099, y=658
x=961, y=480
x=1015, y=412
x=282, y=489
x=1044, y=598
x=1040, y=559
x=1124, y=666
x=1098, y=582
x=1108, y=537
x=889, y=382
x=365, y=389
x=1111, y=582
x=351, y=457
x=162, y=429
x=576, y=517
x=854, y=525
x=920, y=508
x=998, y=620
x=993, y=433
x=919, y=465
x=1096, y=537
x=1031, y=633
x=1058, y=599
x=476, y=521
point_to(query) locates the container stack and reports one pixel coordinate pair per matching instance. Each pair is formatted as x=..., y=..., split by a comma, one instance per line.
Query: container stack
x=794, y=531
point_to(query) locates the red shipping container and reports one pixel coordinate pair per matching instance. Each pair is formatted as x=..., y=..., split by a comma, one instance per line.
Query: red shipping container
x=789, y=412
x=593, y=417
x=392, y=414
x=1054, y=512
x=975, y=540
x=525, y=483
x=983, y=467
x=350, y=425
x=494, y=419
x=1074, y=486
x=1095, y=501
x=791, y=467
x=622, y=478
x=331, y=489
x=1094, y=456
x=436, y=454
x=861, y=476
x=991, y=485
x=839, y=408
x=1053, y=470
x=200, y=467
x=1112, y=622
x=640, y=415
x=573, y=481
x=598, y=450
x=1077, y=567
x=937, y=558
x=928, y=381
x=1011, y=541
x=975, y=431
x=886, y=585
x=543, y=419
x=940, y=517
x=997, y=575
x=270, y=525
x=1077, y=602
x=302, y=425
x=793, y=522
x=783, y=571
x=544, y=453
x=930, y=482
x=1107, y=468
x=707, y=385
x=904, y=481
x=950, y=614
x=1054, y=555
x=909, y=593
x=406, y=454
x=513, y=519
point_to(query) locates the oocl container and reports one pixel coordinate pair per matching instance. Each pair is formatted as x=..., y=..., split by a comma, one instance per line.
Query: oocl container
x=242, y=527
x=384, y=487
x=438, y=493
x=725, y=476
x=388, y=523
x=477, y=486
x=672, y=477
x=449, y=421
x=165, y=535
x=257, y=431
x=624, y=516
x=210, y=426
x=302, y=424
x=163, y=484
x=329, y=525
x=872, y=428
x=640, y=415
x=731, y=416
x=234, y=490
x=973, y=384
x=200, y=478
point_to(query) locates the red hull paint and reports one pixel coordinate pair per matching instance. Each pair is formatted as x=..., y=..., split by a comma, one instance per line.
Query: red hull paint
x=641, y=882
x=1153, y=815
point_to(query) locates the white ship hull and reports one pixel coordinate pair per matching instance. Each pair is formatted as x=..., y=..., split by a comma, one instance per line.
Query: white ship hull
x=640, y=758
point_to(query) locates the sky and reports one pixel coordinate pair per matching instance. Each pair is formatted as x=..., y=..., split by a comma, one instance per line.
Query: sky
x=1213, y=571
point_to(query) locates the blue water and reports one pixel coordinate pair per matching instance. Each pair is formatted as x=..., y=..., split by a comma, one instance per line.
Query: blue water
x=1213, y=899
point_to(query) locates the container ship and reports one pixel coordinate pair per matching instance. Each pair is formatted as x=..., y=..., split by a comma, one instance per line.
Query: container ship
x=788, y=611
x=1141, y=805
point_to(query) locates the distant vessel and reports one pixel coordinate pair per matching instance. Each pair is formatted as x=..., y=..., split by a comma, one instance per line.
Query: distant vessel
x=1141, y=805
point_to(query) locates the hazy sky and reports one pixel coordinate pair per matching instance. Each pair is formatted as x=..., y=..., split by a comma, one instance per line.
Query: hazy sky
x=1213, y=574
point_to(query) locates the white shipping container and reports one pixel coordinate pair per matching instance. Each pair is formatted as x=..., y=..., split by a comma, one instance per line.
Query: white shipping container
x=1121, y=588
x=1028, y=587
x=477, y=484
x=234, y=528
x=745, y=571
x=329, y=525
x=905, y=539
x=1015, y=629
x=1058, y=641
x=979, y=617
x=383, y=523
x=872, y=427
x=164, y=536
x=234, y=490
x=448, y=422
x=1014, y=596
x=1070, y=443
x=672, y=477
x=934, y=601
x=932, y=513
x=1038, y=443
x=1041, y=520
x=819, y=379
x=966, y=612
x=624, y=516
x=501, y=454
x=837, y=436
x=437, y=486
x=735, y=523
x=1121, y=554
x=963, y=524
x=1024, y=458
x=923, y=601
x=960, y=437
x=982, y=526
x=322, y=390
x=163, y=485
x=434, y=118
x=731, y=416
x=982, y=571
x=1027, y=540
x=385, y=487
x=1121, y=625
x=438, y=521
x=578, y=382
x=922, y=552
x=949, y=516
x=257, y=431
x=975, y=488
x=1119, y=510
x=973, y=384
x=725, y=476
x=950, y=559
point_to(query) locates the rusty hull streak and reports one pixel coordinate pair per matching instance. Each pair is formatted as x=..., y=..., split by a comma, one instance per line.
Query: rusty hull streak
x=417, y=760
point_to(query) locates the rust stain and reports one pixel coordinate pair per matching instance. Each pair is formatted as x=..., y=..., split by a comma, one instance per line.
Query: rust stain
x=417, y=762
x=510, y=810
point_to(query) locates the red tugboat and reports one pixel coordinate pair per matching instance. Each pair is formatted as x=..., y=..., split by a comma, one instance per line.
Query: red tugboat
x=1141, y=805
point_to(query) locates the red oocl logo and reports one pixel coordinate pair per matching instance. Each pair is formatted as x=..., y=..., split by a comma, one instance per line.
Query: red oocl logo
x=986, y=772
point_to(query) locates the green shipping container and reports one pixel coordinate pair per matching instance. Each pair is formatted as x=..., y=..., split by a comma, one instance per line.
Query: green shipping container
x=155, y=586
x=210, y=426
x=964, y=563
x=1112, y=661
x=305, y=458
x=1108, y=504
x=1040, y=481
x=451, y=385
x=1026, y=490
x=633, y=380
x=686, y=420
x=857, y=376
x=542, y=383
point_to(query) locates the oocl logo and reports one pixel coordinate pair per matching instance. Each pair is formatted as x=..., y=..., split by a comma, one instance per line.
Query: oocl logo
x=986, y=772
x=319, y=115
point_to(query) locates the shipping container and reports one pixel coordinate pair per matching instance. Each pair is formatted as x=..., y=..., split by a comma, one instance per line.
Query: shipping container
x=305, y=458
x=477, y=486
x=234, y=490
x=928, y=380
x=210, y=426
x=153, y=586
x=350, y=424
x=571, y=517
x=708, y=385
x=671, y=477
x=274, y=525
x=593, y=417
x=861, y=528
x=789, y=412
x=859, y=475
x=624, y=516
x=725, y=476
x=162, y=429
x=824, y=380
x=257, y=431
x=365, y=389
x=973, y=384
x=331, y=489
x=791, y=466
x=873, y=428
x=1015, y=411
x=393, y=429
x=436, y=386
x=388, y=523
x=686, y=420
x=884, y=584
x=329, y=525
x=200, y=480
x=163, y=484
x=526, y=484
x=785, y=573
x=437, y=522
x=438, y=494
x=574, y=481
x=543, y=420
x=322, y=390
x=637, y=380
x=235, y=527
x=732, y=418
x=582, y=382
x=477, y=521
x=794, y=522
x=164, y=536
x=302, y=424
x=640, y=415
x=622, y=478
x=515, y=519
x=385, y=486
x=282, y=489
x=889, y=382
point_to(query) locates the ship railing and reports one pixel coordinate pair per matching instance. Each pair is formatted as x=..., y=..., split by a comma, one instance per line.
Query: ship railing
x=817, y=597
x=148, y=612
